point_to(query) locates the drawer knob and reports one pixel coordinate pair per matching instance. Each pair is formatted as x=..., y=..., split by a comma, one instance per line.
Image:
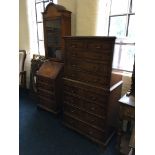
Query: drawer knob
x=92, y=108
x=73, y=65
x=95, y=80
x=90, y=132
x=93, y=98
x=98, y=47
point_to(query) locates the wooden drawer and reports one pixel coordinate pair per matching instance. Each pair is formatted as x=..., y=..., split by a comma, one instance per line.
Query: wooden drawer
x=46, y=94
x=45, y=86
x=98, y=108
x=87, y=54
x=86, y=92
x=85, y=116
x=92, y=89
x=50, y=104
x=90, y=66
x=45, y=80
x=80, y=75
x=84, y=128
x=75, y=44
x=100, y=46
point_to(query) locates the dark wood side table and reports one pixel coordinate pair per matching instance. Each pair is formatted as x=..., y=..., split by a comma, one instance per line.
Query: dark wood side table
x=126, y=139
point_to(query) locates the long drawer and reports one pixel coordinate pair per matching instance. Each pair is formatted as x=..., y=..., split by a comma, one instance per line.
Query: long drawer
x=45, y=80
x=92, y=67
x=84, y=128
x=96, y=108
x=46, y=86
x=80, y=75
x=46, y=94
x=90, y=93
x=45, y=102
x=98, y=122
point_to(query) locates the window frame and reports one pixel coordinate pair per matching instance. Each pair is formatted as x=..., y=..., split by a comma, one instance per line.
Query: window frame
x=43, y=2
x=124, y=40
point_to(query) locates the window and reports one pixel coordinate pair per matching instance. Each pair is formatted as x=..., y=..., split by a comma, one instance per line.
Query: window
x=40, y=6
x=121, y=25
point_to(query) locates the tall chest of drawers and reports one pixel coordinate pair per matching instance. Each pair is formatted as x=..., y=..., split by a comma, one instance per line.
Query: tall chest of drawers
x=49, y=86
x=91, y=89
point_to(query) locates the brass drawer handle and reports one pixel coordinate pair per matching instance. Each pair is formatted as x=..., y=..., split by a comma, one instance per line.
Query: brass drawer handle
x=72, y=75
x=74, y=54
x=74, y=65
x=94, y=98
x=92, y=108
x=95, y=80
x=92, y=120
x=72, y=111
x=72, y=91
x=90, y=132
x=98, y=47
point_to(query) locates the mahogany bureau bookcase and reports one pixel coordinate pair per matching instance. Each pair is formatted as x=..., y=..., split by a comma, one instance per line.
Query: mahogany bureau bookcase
x=91, y=89
x=56, y=24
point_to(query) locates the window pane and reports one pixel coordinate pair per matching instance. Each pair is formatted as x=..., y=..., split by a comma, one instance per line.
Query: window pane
x=39, y=8
x=133, y=6
x=45, y=4
x=40, y=31
x=124, y=57
x=118, y=26
x=116, y=56
x=38, y=0
x=131, y=30
x=119, y=7
x=41, y=48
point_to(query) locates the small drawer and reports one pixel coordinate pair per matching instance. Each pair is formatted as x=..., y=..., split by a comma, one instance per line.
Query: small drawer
x=99, y=45
x=51, y=104
x=46, y=86
x=45, y=80
x=75, y=45
x=47, y=94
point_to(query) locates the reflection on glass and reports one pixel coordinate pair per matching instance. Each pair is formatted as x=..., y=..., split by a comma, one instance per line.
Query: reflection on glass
x=41, y=48
x=40, y=31
x=131, y=30
x=53, y=24
x=118, y=26
x=39, y=7
x=119, y=6
x=124, y=53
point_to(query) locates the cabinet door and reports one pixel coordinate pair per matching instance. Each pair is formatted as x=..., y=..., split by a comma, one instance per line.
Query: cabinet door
x=53, y=37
